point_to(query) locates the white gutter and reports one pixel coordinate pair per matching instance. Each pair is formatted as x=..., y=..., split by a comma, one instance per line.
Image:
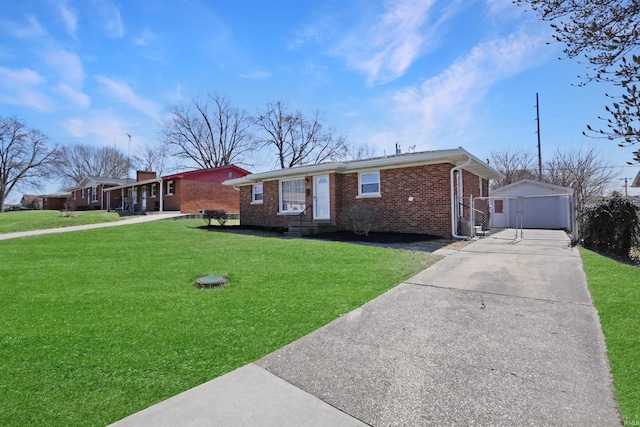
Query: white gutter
x=454, y=219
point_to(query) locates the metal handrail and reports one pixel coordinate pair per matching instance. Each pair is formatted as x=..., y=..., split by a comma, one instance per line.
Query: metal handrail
x=301, y=214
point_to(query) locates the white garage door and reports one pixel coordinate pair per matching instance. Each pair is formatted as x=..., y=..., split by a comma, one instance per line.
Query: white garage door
x=539, y=212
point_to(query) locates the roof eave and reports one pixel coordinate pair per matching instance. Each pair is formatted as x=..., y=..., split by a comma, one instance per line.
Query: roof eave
x=457, y=157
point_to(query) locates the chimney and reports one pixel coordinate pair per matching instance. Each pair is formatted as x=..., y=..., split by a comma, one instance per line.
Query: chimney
x=144, y=175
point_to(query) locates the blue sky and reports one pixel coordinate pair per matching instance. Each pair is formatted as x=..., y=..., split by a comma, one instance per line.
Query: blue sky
x=431, y=74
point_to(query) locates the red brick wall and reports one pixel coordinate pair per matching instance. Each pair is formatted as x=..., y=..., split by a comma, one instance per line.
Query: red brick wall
x=86, y=201
x=144, y=175
x=428, y=213
x=264, y=214
x=171, y=202
x=193, y=196
x=53, y=203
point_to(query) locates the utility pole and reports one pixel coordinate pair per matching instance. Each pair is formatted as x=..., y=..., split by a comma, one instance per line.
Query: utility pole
x=539, y=149
x=625, y=187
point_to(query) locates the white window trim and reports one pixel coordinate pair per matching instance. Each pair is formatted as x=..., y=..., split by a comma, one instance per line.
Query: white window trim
x=75, y=192
x=94, y=194
x=154, y=190
x=368, y=195
x=253, y=194
x=169, y=186
x=292, y=212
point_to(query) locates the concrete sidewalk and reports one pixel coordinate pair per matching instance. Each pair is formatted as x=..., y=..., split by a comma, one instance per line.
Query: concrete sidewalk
x=131, y=220
x=501, y=332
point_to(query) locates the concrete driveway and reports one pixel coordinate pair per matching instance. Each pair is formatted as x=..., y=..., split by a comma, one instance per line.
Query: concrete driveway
x=501, y=332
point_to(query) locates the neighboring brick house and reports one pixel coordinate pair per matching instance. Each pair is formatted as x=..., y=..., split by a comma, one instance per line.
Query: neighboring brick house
x=52, y=202
x=412, y=193
x=89, y=193
x=31, y=201
x=186, y=192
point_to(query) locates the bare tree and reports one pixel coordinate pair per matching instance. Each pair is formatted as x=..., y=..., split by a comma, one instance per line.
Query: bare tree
x=209, y=132
x=73, y=163
x=515, y=165
x=581, y=170
x=298, y=140
x=24, y=157
x=607, y=35
x=361, y=151
x=152, y=158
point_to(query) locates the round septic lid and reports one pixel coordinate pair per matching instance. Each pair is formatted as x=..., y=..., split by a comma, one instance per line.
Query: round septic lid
x=212, y=281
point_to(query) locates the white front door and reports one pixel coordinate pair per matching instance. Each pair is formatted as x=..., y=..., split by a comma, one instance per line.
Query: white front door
x=144, y=199
x=321, y=197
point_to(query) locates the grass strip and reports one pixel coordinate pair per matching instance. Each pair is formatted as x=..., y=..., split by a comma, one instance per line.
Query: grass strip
x=615, y=289
x=97, y=325
x=39, y=220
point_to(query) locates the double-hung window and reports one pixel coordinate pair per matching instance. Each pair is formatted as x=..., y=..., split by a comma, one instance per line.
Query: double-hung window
x=170, y=188
x=369, y=184
x=292, y=196
x=256, y=193
x=94, y=194
x=154, y=190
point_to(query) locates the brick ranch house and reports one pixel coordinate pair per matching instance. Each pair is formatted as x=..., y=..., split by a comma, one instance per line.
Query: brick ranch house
x=413, y=193
x=53, y=201
x=186, y=192
x=89, y=193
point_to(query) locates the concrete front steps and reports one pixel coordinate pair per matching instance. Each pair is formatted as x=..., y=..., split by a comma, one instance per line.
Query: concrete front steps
x=297, y=229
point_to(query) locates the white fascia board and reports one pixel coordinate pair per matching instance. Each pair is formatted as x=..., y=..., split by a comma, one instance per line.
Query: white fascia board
x=285, y=173
x=133, y=184
x=530, y=182
x=454, y=156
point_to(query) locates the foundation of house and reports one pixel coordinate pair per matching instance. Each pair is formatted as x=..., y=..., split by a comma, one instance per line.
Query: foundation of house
x=301, y=229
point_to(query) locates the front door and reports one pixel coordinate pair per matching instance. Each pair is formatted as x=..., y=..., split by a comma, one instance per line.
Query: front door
x=321, y=197
x=144, y=199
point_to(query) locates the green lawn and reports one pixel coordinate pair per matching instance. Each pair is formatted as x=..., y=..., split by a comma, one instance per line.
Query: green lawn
x=615, y=289
x=39, y=220
x=97, y=325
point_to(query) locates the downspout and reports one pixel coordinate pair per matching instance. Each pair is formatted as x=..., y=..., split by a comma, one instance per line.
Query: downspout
x=454, y=208
x=161, y=197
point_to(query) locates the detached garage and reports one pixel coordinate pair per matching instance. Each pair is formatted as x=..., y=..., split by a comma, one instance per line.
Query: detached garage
x=532, y=204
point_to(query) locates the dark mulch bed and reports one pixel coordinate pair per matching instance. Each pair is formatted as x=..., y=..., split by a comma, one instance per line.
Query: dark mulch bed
x=375, y=237
x=246, y=229
x=633, y=258
x=336, y=236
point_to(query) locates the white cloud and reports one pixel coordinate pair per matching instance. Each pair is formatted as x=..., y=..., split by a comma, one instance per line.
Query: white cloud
x=102, y=127
x=68, y=15
x=387, y=48
x=106, y=128
x=111, y=18
x=123, y=93
x=256, y=75
x=145, y=38
x=77, y=97
x=67, y=64
x=449, y=100
x=19, y=87
x=31, y=30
